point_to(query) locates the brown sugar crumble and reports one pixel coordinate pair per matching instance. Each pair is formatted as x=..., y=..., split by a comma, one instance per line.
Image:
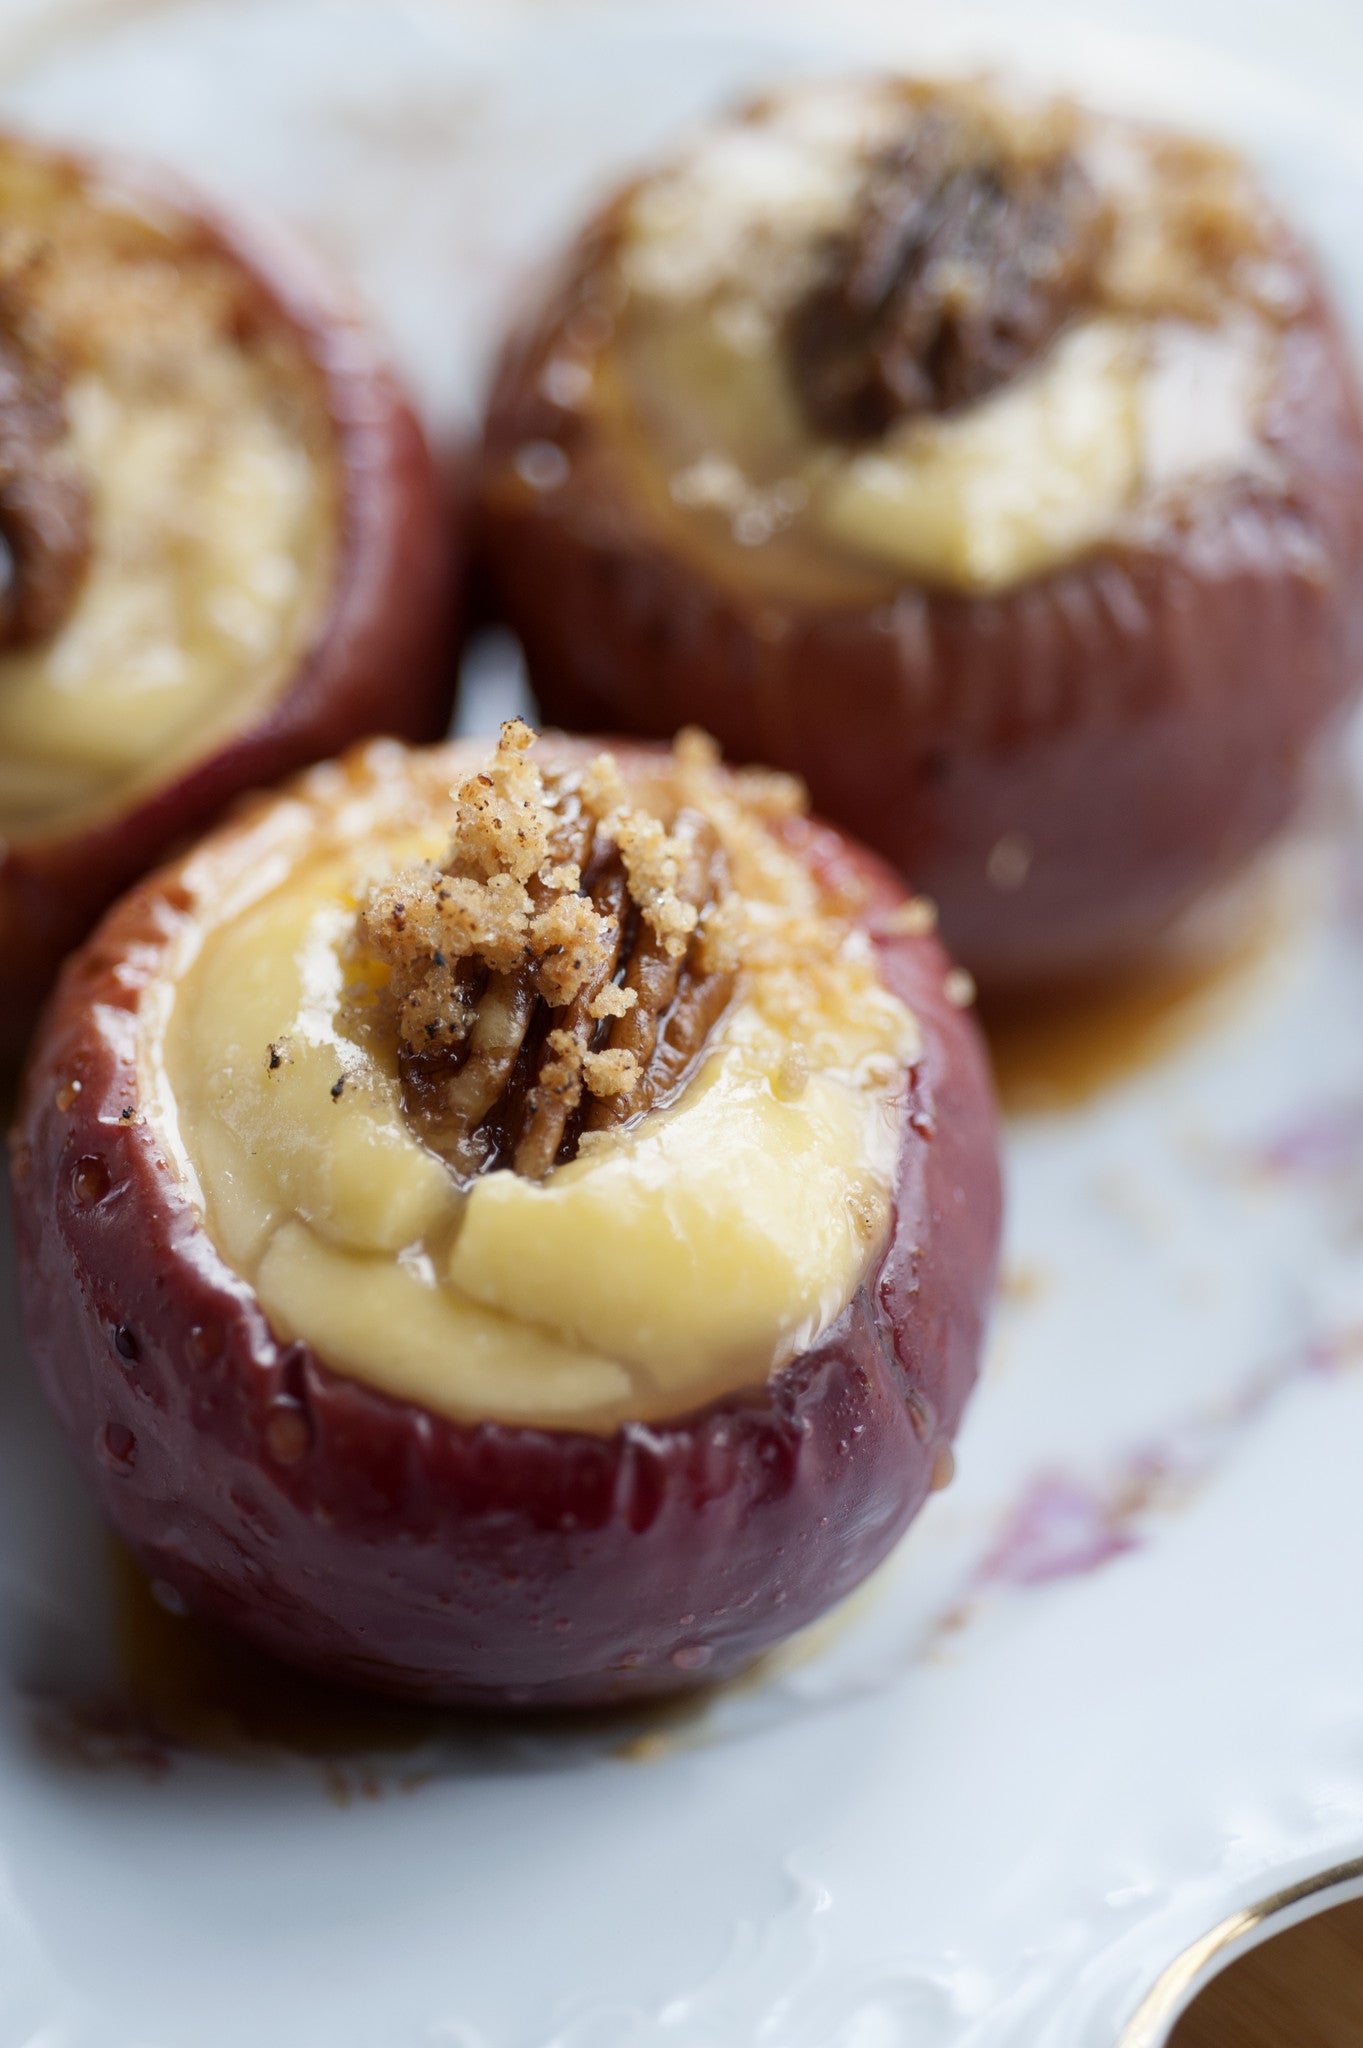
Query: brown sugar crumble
x=561, y=969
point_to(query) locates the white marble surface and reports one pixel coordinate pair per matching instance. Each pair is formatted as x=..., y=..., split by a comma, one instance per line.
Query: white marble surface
x=1112, y=1685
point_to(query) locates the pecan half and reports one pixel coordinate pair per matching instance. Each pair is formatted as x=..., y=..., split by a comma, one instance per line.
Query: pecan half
x=530, y=1008
x=961, y=263
x=44, y=506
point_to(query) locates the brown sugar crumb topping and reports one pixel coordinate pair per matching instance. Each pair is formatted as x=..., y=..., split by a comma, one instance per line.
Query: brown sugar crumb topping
x=964, y=258
x=550, y=976
x=44, y=505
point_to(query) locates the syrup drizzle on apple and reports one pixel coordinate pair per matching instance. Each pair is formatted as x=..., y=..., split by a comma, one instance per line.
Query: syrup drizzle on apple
x=556, y=973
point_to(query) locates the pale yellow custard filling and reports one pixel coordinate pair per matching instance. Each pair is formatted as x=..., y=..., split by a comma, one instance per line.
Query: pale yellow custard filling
x=200, y=430
x=687, y=1253
x=1157, y=386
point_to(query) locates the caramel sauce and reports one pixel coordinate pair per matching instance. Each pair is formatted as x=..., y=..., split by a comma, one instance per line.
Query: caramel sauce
x=192, y=1687
x=187, y=1686
x=195, y=1687
x=1062, y=1048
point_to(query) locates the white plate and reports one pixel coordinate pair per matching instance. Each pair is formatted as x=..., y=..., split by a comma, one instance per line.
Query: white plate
x=1112, y=1686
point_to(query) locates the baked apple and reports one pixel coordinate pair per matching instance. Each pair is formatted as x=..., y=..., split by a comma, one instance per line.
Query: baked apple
x=995, y=465
x=511, y=1230
x=222, y=547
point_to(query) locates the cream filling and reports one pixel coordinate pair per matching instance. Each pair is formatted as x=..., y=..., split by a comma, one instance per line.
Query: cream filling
x=1048, y=467
x=668, y=1263
x=208, y=568
x=1029, y=477
x=1124, y=412
x=1111, y=426
x=214, y=536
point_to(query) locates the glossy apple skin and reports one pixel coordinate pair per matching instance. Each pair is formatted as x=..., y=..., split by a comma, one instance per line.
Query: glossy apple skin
x=1138, y=722
x=383, y=660
x=490, y=1564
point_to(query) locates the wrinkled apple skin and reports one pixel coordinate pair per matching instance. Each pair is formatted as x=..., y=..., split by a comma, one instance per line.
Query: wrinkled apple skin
x=385, y=1546
x=1121, y=734
x=382, y=660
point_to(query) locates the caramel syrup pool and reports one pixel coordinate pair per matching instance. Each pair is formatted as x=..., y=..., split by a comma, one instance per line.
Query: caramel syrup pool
x=189, y=1686
x=1061, y=1049
x=195, y=1687
x=185, y=1686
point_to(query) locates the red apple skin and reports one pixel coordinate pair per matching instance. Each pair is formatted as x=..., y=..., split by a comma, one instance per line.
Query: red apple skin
x=491, y=1565
x=383, y=660
x=1139, y=722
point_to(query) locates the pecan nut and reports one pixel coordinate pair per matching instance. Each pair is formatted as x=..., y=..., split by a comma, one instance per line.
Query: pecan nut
x=536, y=989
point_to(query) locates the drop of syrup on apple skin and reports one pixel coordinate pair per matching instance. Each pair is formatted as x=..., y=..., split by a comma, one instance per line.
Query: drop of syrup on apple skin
x=288, y=1434
x=692, y=1656
x=116, y=1447
x=89, y=1180
x=207, y=1342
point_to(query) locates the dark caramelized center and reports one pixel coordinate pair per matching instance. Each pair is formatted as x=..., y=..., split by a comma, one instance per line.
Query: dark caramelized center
x=528, y=1009
x=961, y=262
x=44, y=506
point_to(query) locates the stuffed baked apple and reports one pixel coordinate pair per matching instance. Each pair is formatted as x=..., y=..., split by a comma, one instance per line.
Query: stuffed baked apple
x=995, y=465
x=511, y=1230
x=221, y=545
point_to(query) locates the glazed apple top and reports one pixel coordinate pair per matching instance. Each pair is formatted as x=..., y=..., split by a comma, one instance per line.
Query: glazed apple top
x=549, y=1088
x=885, y=328
x=169, y=504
